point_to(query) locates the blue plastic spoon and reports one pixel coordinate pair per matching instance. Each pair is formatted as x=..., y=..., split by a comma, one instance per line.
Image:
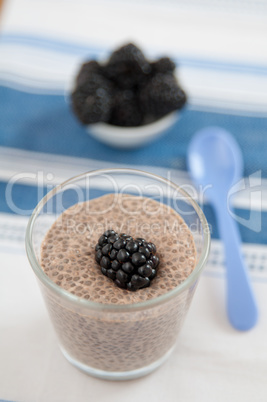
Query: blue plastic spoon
x=215, y=163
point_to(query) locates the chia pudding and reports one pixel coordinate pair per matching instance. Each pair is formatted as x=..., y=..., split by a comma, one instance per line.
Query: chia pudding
x=117, y=339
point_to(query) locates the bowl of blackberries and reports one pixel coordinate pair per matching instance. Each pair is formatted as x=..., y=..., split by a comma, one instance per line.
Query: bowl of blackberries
x=128, y=100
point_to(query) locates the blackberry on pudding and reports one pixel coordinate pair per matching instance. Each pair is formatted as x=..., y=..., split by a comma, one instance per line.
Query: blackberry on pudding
x=68, y=252
x=130, y=263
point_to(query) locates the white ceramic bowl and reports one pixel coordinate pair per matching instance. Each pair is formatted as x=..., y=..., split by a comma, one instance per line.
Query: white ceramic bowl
x=132, y=137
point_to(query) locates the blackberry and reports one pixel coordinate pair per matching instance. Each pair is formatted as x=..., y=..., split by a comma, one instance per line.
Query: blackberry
x=130, y=263
x=127, y=90
x=125, y=110
x=92, y=98
x=163, y=65
x=162, y=95
x=86, y=70
x=127, y=66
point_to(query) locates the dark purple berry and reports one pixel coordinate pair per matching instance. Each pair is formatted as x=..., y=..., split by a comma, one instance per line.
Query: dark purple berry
x=140, y=240
x=122, y=276
x=154, y=273
x=104, y=271
x=155, y=261
x=116, y=265
x=128, y=267
x=86, y=71
x=126, y=237
x=123, y=255
x=132, y=246
x=152, y=248
x=130, y=286
x=113, y=254
x=126, y=111
x=163, y=65
x=130, y=263
x=106, y=249
x=139, y=282
x=162, y=95
x=98, y=256
x=120, y=284
x=111, y=274
x=145, y=251
x=105, y=262
x=138, y=259
x=120, y=243
x=113, y=238
x=102, y=240
x=108, y=233
x=92, y=102
x=127, y=66
x=145, y=270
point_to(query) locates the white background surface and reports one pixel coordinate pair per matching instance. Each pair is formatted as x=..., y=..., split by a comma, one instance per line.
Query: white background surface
x=212, y=362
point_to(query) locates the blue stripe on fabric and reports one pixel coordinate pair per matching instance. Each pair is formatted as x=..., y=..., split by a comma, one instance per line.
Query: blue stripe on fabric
x=5, y=400
x=94, y=51
x=50, y=44
x=26, y=197
x=45, y=123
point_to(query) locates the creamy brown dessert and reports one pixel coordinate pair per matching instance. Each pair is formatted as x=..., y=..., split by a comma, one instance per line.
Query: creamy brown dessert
x=117, y=340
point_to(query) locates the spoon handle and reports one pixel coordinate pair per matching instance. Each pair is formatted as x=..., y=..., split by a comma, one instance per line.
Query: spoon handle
x=241, y=304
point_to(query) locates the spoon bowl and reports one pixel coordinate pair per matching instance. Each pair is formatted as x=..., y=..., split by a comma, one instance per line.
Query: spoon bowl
x=214, y=158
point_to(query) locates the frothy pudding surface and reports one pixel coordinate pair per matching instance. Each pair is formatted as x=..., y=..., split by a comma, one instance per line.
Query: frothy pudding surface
x=68, y=250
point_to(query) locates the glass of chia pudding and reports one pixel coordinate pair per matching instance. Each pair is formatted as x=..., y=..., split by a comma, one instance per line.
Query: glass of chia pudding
x=117, y=254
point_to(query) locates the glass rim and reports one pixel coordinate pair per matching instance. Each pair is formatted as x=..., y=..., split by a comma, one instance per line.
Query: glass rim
x=81, y=302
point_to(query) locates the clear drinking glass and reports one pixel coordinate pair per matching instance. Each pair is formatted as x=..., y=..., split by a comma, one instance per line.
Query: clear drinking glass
x=107, y=340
